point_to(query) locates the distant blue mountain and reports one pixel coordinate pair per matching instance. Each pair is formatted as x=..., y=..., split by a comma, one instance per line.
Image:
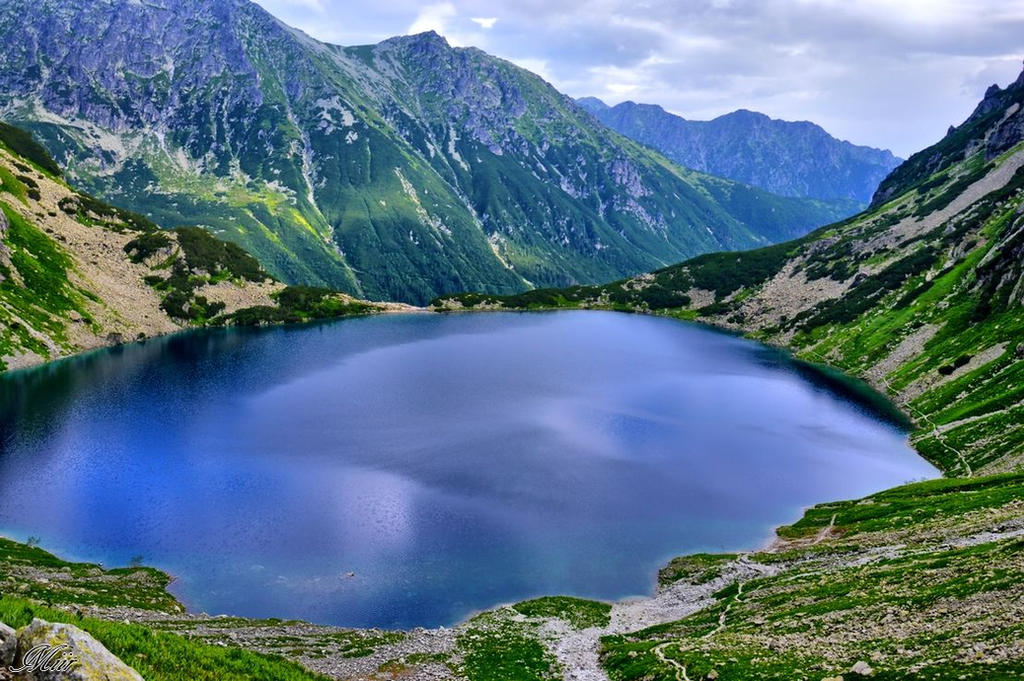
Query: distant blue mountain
x=795, y=159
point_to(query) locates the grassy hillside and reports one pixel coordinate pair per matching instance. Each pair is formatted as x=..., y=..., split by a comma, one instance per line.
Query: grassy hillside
x=77, y=273
x=913, y=583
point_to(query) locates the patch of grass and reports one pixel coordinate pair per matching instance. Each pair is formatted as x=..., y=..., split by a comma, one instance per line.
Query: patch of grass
x=697, y=568
x=34, y=573
x=910, y=505
x=495, y=648
x=10, y=184
x=578, y=612
x=360, y=643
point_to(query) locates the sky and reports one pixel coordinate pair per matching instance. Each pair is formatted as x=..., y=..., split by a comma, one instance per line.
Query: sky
x=887, y=73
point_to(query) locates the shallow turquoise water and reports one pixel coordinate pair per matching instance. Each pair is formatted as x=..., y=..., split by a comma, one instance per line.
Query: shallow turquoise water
x=450, y=462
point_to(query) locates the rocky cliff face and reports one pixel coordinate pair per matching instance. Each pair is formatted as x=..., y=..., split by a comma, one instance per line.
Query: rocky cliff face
x=399, y=170
x=786, y=158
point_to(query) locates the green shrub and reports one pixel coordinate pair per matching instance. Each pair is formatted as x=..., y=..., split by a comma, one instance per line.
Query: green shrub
x=724, y=273
x=142, y=247
x=960, y=361
x=90, y=209
x=23, y=144
x=205, y=252
x=299, y=304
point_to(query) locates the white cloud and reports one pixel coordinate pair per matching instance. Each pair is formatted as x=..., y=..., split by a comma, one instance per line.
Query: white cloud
x=485, y=22
x=538, y=66
x=879, y=72
x=314, y=5
x=432, y=18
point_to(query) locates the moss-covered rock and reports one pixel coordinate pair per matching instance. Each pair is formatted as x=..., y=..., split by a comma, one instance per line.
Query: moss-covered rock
x=54, y=651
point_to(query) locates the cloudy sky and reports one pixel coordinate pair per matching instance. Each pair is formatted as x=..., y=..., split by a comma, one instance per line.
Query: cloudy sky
x=889, y=73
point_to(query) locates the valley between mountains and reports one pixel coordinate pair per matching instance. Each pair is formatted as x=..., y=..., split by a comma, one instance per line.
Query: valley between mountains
x=921, y=295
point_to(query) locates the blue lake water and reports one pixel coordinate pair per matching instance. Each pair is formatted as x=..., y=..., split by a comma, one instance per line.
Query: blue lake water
x=450, y=462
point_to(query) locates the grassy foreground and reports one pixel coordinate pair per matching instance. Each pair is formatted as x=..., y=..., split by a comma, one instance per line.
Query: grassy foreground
x=924, y=581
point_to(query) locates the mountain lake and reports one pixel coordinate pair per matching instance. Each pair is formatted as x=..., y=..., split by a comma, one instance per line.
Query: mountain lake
x=408, y=470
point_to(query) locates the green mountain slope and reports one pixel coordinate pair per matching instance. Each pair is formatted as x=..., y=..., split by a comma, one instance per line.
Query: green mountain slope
x=784, y=157
x=77, y=274
x=921, y=295
x=393, y=171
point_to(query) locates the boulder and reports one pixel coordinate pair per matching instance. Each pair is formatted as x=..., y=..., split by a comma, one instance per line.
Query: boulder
x=8, y=645
x=84, y=657
x=5, y=253
x=862, y=668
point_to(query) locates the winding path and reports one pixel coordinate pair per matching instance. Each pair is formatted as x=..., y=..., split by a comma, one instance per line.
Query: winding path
x=659, y=652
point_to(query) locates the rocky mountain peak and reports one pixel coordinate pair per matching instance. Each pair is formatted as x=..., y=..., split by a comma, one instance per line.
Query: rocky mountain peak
x=426, y=38
x=591, y=104
x=995, y=126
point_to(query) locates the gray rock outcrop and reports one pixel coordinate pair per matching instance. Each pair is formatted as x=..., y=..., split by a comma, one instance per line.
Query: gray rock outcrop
x=52, y=651
x=8, y=646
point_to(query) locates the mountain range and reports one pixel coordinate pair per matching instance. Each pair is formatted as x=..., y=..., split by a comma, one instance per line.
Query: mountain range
x=921, y=295
x=783, y=157
x=399, y=171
